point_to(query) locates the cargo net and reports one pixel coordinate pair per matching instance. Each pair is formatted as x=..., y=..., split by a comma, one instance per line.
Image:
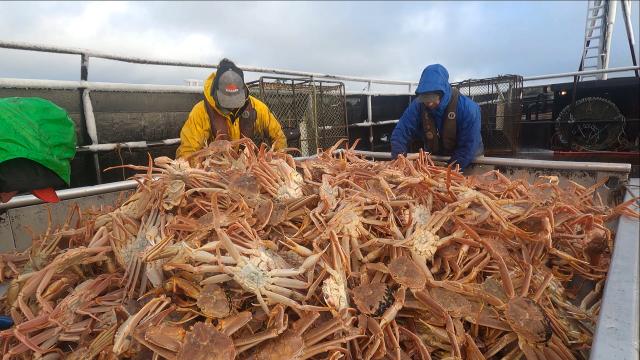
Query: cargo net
x=312, y=113
x=500, y=100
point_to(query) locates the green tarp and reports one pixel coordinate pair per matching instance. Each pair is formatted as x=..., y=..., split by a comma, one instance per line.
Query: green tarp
x=38, y=130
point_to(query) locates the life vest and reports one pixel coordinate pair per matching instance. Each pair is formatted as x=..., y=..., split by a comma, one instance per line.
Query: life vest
x=441, y=143
x=247, y=117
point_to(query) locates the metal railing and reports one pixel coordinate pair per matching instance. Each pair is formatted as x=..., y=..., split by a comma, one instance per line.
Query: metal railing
x=611, y=168
x=86, y=87
x=86, y=54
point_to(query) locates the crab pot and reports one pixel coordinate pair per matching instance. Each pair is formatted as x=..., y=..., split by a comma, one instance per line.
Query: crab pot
x=315, y=110
x=500, y=101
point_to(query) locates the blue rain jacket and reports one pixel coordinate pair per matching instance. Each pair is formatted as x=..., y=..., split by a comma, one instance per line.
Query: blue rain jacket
x=469, y=141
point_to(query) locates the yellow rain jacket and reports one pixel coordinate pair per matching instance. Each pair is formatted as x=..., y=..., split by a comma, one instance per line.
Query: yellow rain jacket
x=196, y=132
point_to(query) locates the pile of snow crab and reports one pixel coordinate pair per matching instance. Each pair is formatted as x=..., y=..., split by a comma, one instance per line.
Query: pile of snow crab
x=243, y=252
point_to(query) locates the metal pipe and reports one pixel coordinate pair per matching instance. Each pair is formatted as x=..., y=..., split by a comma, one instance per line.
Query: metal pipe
x=128, y=145
x=367, y=123
x=530, y=163
x=302, y=158
x=377, y=93
x=626, y=11
x=95, y=86
x=84, y=68
x=90, y=119
x=65, y=50
x=370, y=115
x=137, y=60
x=66, y=194
x=123, y=87
x=74, y=193
x=605, y=45
x=580, y=73
x=92, y=130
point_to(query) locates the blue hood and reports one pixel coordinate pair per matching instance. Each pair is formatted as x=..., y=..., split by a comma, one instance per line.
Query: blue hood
x=468, y=122
x=436, y=78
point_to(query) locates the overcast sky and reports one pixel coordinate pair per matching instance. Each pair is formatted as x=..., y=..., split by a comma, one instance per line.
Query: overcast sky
x=391, y=40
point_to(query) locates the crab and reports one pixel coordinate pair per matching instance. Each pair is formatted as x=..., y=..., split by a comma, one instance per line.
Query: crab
x=300, y=342
x=423, y=241
x=260, y=277
x=280, y=179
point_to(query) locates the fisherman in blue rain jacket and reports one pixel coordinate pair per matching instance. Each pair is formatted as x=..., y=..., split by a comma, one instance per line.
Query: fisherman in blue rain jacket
x=447, y=122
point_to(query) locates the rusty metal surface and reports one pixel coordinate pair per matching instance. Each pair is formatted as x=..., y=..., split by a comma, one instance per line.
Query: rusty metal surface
x=17, y=225
x=6, y=234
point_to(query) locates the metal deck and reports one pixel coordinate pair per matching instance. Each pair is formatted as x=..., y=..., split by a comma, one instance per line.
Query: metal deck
x=617, y=332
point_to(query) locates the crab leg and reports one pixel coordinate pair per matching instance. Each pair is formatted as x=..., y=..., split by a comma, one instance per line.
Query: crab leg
x=290, y=283
x=216, y=279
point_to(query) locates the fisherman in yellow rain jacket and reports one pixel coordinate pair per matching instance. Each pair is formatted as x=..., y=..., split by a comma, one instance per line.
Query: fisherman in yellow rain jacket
x=229, y=110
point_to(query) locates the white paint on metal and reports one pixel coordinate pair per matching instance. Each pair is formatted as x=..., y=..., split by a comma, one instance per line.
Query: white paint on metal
x=606, y=45
x=127, y=145
x=137, y=60
x=26, y=200
x=95, y=86
x=580, y=73
x=525, y=163
x=378, y=93
x=90, y=119
x=367, y=123
x=617, y=330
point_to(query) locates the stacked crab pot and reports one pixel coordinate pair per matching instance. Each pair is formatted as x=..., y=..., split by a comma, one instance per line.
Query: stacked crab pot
x=242, y=252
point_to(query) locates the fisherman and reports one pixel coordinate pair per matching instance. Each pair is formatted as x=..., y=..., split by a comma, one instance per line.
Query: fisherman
x=229, y=110
x=447, y=122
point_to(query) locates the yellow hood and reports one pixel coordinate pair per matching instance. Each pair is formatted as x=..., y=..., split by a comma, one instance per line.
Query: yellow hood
x=207, y=92
x=196, y=131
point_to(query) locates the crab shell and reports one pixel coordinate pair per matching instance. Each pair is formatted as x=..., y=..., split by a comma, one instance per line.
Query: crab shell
x=213, y=301
x=205, y=342
x=372, y=299
x=407, y=273
x=528, y=320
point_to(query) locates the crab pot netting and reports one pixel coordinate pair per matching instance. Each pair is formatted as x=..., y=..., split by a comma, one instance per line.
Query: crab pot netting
x=316, y=108
x=500, y=100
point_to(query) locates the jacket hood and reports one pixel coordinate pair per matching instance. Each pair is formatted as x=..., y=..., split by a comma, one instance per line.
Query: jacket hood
x=436, y=78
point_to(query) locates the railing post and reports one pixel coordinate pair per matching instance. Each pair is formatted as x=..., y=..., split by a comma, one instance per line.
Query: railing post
x=314, y=113
x=90, y=123
x=84, y=67
x=370, y=115
x=89, y=118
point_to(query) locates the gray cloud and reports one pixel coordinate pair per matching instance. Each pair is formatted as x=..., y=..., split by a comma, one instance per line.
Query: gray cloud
x=384, y=40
